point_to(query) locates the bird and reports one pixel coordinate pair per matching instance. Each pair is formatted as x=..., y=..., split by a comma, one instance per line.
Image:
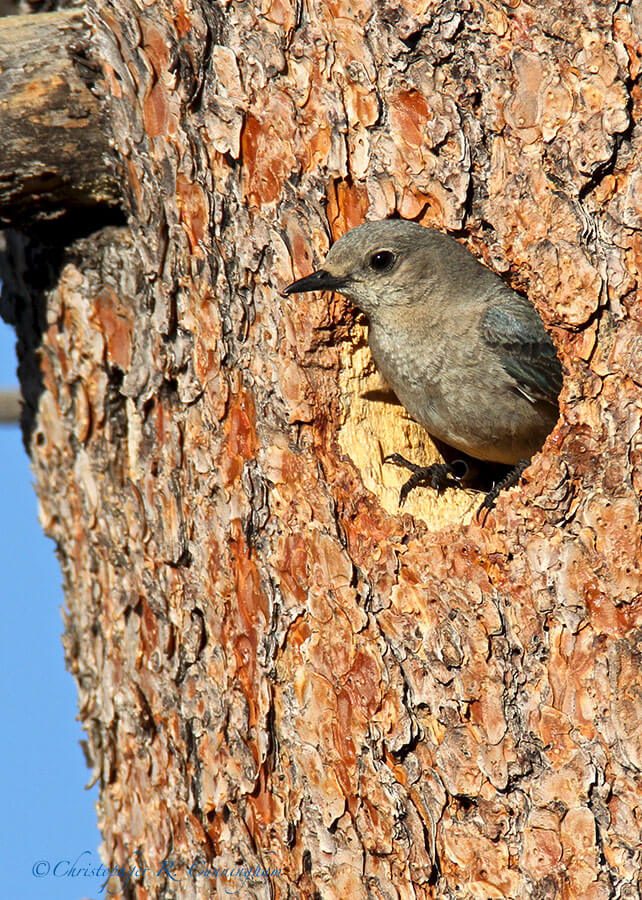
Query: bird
x=466, y=355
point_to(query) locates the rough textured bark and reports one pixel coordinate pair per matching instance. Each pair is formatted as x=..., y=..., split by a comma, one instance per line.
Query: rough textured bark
x=275, y=667
x=55, y=150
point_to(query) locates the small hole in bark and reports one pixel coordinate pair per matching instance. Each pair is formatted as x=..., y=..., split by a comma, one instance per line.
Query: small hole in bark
x=116, y=376
x=475, y=99
x=412, y=40
x=465, y=802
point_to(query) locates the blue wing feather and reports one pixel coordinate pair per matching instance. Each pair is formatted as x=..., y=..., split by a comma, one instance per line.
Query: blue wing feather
x=527, y=352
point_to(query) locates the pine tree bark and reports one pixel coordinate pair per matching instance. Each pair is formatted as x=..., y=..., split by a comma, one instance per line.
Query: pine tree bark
x=275, y=666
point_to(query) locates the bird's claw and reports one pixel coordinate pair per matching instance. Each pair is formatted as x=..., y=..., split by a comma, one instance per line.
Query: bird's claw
x=509, y=480
x=437, y=475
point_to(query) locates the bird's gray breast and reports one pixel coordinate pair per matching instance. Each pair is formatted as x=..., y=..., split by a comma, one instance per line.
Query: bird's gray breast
x=414, y=365
x=457, y=387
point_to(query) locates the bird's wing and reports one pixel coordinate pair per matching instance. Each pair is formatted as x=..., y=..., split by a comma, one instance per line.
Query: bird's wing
x=516, y=332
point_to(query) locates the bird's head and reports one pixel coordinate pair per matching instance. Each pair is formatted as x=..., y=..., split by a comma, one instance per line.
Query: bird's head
x=380, y=265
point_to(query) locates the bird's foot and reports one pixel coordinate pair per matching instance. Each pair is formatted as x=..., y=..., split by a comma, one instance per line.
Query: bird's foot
x=509, y=480
x=437, y=476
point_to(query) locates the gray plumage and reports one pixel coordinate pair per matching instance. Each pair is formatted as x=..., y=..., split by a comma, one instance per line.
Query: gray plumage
x=468, y=357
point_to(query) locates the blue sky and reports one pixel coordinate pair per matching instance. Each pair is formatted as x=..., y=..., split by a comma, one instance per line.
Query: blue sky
x=48, y=816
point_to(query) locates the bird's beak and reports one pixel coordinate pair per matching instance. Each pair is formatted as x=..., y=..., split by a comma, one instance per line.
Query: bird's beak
x=317, y=281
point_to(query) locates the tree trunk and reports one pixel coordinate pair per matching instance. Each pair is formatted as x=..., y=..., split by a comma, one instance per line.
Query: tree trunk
x=276, y=667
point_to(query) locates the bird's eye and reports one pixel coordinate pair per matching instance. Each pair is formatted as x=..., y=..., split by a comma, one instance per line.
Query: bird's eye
x=382, y=260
